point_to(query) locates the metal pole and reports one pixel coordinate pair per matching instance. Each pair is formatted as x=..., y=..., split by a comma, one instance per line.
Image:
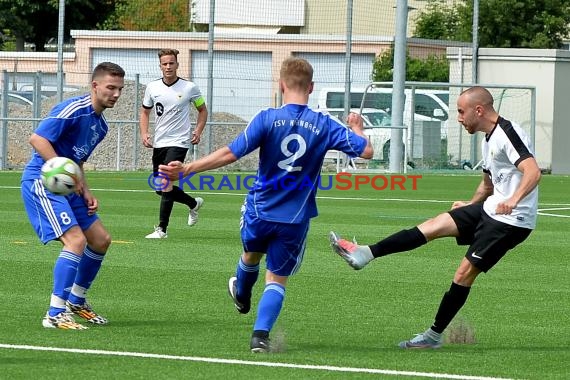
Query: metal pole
x=37, y=109
x=137, y=107
x=347, y=60
x=474, y=61
x=60, y=31
x=533, y=118
x=347, y=77
x=396, y=149
x=210, y=96
x=4, y=114
x=119, y=138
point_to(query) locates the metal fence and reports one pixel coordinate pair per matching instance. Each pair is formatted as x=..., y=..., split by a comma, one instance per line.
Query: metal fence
x=433, y=139
x=236, y=65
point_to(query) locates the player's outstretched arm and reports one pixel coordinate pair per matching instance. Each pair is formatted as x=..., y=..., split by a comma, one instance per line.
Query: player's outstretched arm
x=217, y=159
x=356, y=124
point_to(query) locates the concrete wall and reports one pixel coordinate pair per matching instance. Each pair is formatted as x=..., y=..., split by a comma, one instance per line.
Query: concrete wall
x=89, y=46
x=561, y=117
x=78, y=65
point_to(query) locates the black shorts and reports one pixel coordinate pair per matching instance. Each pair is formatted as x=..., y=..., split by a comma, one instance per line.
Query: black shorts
x=162, y=156
x=488, y=239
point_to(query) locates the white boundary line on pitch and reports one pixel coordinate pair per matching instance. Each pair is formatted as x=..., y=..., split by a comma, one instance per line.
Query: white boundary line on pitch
x=246, y=362
x=541, y=212
x=244, y=194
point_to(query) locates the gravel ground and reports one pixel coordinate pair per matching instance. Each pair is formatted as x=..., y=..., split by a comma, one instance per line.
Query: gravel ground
x=122, y=149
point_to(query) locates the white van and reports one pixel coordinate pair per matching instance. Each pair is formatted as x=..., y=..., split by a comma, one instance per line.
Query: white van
x=429, y=105
x=372, y=117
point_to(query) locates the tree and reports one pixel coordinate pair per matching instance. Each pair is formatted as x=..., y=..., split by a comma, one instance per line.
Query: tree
x=439, y=21
x=170, y=16
x=15, y=16
x=431, y=69
x=37, y=20
x=502, y=23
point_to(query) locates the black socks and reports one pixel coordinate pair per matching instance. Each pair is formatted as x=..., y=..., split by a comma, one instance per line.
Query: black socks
x=404, y=240
x=167, y=202
x=179, y=196
x=452, y=301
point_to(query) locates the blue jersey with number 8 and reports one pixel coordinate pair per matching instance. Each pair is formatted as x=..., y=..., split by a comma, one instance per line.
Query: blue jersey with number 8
x=293, y=141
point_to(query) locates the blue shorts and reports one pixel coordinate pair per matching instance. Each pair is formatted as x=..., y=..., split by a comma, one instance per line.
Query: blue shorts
x=51, y=215
x=283, y=243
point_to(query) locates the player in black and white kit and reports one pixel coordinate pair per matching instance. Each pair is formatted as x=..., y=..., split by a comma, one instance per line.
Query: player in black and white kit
x=171, y=98
x=501, y=214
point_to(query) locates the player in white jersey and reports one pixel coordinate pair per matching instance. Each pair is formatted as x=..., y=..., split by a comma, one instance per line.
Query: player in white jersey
x=171, y=97
x=500, y=215
x=293, y=140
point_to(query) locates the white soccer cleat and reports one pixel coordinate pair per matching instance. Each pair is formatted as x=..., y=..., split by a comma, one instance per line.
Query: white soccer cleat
x=193, y=215
x=357, y=256
x=241, y=306
x=421, y=341
x=157, y=234
x=63, y=320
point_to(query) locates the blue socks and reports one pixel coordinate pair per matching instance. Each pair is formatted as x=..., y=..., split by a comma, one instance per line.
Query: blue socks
x=86, y=272
x=246, y=278
x=64, y=272
x=269, y=306
x=271, y=300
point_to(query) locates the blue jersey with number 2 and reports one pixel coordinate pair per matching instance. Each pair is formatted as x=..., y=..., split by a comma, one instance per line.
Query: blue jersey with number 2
x=293, y=141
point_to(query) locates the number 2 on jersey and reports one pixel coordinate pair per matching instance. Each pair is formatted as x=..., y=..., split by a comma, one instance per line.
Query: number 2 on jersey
x=287, y=164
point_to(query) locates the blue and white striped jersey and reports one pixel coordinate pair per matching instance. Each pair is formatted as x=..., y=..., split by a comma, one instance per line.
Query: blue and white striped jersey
x=74, y=130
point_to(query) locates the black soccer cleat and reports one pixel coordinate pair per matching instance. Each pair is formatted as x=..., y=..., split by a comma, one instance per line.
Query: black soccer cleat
x=260, y=342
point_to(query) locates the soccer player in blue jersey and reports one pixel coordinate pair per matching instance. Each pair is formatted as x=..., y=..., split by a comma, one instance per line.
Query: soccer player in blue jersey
x=293, y=140
x=500, y=215
x=73, y=129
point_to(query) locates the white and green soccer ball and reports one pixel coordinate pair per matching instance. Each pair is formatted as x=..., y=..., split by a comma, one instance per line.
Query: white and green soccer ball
x=61, y=175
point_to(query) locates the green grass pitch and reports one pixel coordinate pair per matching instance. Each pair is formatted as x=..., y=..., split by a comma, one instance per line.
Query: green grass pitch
x=170, y=315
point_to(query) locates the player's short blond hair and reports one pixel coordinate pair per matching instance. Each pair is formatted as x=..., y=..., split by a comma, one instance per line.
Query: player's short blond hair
x=296, y=73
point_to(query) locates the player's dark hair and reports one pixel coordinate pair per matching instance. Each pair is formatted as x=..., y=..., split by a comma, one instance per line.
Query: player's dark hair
x=109, y=68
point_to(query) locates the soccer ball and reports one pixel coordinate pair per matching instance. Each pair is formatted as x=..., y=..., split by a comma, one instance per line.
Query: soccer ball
x=60, y=175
